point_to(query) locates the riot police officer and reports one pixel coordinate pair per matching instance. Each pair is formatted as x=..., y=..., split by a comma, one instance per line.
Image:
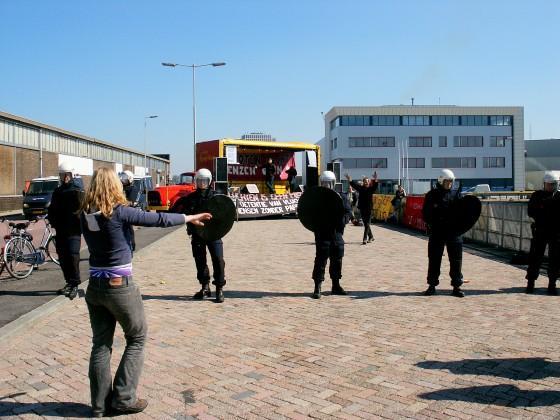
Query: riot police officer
x=438, y=217
x=329, y=245
x=131, y=193
x=193, y=204
x=64, y=218
x=544, y=209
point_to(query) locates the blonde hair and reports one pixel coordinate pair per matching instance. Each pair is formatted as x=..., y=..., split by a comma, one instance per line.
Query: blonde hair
x=104, y=193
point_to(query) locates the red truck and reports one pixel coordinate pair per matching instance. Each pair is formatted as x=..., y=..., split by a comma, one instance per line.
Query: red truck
x=164, y=198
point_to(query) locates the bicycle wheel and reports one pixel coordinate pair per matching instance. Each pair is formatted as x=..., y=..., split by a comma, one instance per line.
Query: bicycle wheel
x=19, y=257
x=51, y=250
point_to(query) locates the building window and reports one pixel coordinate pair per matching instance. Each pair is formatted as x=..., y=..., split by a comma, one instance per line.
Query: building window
x=333, y=124
x=354, y=120
x=371, y=142
x=445, y=120
x=365, y=163
x=442, y=141
x=468, y=141
x=454, y=162
x=385, y=120
x=415, y=120
x=494, y=162
x=419, y=142
x=501, y=120
x=474, y=120
x=413, y=163
x=499, y=141
x=334, y=143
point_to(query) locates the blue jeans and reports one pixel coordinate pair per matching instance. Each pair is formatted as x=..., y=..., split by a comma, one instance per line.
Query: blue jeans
x=107, y=306
x=270, y=185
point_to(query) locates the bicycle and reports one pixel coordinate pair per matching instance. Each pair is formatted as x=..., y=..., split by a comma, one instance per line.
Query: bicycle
x=20, y=256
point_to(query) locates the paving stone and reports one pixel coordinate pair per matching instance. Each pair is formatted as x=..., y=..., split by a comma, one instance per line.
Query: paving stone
x=270, y=351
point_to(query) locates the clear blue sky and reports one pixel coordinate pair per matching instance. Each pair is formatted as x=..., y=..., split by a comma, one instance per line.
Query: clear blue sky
x=93, y=67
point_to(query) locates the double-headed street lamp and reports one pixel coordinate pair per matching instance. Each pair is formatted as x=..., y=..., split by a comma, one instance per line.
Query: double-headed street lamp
x=145, y=141
x=193, y=67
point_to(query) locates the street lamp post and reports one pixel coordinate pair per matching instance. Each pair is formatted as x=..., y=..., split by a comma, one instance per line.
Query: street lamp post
x=145, y=142
x=193, y=67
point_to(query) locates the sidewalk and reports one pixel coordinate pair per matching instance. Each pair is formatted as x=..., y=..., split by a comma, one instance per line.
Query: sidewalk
x=269, y=351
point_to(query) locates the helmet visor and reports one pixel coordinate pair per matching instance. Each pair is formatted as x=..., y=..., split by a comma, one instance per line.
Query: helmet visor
x=328, y=184
x=202, y=183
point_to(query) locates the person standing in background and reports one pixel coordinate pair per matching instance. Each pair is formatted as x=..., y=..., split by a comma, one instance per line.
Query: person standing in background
x=365, y=202
x=292, y=181
x=544, y=209
x=63, y=217
x=269, y=172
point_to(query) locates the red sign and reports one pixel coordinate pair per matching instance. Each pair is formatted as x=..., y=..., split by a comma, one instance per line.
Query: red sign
x=413, y=213
x=250, y=161
x=251, y=165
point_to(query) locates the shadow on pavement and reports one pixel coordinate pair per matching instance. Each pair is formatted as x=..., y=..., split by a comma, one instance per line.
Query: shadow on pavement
x=440, y=292
x=28, y=293
x=46, y=409
x=230, y=294
x=502, y=395
x=515, y=368
x=362, y=294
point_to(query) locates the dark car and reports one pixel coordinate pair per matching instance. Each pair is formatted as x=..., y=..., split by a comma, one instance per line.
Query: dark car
x=37, y=198
x=141, y=186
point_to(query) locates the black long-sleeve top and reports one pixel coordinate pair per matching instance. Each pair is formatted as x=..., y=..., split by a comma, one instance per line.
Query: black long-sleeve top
x=365, y=194
x=196, y=202
x=269, y=170
x=436, y=210
x=63, y=210
x=544, y=208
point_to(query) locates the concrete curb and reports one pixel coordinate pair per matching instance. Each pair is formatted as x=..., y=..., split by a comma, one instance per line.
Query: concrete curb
x=49, y=307
x=31, y=317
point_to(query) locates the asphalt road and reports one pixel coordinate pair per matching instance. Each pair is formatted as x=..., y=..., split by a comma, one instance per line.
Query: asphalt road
x=18, y=297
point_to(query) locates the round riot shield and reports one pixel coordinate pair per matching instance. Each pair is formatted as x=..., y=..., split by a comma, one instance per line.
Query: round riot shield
x=320, y=208
x=466, y=212
x=223, y=213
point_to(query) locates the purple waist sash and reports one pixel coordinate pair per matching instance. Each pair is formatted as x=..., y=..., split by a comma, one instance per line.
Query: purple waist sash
x=111, y=272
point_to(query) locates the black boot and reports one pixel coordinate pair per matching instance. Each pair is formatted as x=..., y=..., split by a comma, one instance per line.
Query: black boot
x=72, y=293
x=317, y=292
x=431, y=290
x=530, y=287
x=65, y=290
x=457, y=292
x=337, y=288
x=552, y=291
x=219, y=295
x=205, y=291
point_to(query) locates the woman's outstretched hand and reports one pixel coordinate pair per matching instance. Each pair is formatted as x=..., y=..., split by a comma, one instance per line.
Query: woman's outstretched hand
x=197, y=219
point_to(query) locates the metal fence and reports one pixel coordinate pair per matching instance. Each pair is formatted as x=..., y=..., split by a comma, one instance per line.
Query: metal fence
x=504, y=224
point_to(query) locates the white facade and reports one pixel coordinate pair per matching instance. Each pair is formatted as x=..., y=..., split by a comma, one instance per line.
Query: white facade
x=482, y=145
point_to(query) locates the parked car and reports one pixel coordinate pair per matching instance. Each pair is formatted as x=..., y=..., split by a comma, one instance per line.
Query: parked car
x=37, y=198
x=141, y=186
x=480, y=188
